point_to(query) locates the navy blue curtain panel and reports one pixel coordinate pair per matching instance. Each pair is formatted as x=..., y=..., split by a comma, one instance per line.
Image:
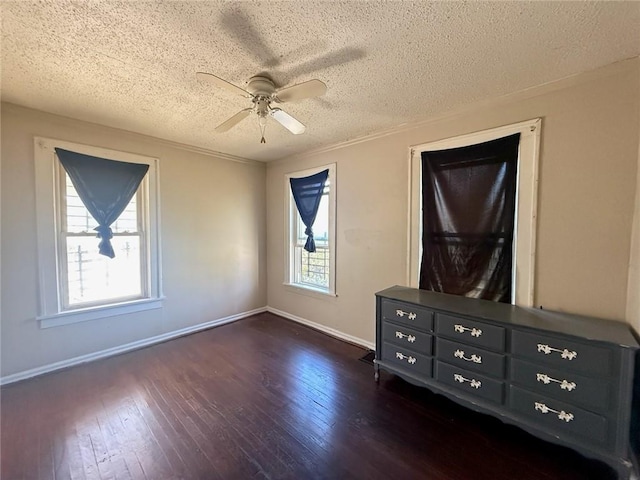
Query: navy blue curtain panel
x=105, y=187
x=307, y=193
x=468, y=216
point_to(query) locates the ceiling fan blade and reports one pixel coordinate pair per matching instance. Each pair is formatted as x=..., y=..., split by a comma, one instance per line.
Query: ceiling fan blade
x=287, y=121
x=219, y=82
x=233, y=121
x=312, y=88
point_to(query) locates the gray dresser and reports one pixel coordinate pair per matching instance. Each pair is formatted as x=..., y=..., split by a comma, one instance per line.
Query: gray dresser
x=564, y=378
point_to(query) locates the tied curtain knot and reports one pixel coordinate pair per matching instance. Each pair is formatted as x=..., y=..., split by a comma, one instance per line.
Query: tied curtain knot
x=104, y=247
x=310, y=244
x=104, y=232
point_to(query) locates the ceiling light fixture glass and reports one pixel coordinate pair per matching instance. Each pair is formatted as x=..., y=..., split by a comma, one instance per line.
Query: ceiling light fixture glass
x=262, y=110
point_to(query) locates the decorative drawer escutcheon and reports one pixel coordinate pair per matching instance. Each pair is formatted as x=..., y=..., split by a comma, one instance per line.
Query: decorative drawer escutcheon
x=472, y=381
x=410, y=315
x=473, y=358
x=401, y=356
x=562, y=415
x=564, y=352
x=475, y=332
x=410, y=338
x=564, y=384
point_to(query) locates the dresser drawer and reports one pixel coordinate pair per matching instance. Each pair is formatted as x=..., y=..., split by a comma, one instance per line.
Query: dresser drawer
x=567, y=386
x=407, y=314
x=415, y=340
x=562, y=353
x=408, y=360
x=471, y=383
x=471, y=358
x=471, y=332
x=561, y=417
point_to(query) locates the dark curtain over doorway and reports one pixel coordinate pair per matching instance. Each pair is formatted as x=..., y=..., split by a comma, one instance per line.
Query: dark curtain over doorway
x=468, y=218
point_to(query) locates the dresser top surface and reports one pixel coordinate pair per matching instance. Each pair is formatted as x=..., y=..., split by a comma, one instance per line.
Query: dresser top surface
x=588, y=328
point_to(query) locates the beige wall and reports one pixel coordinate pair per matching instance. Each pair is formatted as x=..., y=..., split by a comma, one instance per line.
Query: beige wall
x=633, y=290
x=587, y=172
x=212, y=232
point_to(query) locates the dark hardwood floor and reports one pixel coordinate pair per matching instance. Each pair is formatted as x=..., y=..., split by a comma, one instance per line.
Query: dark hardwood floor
x=261, y=398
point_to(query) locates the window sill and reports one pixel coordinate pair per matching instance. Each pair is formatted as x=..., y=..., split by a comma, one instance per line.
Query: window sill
x=95, y=313
x=309, y=291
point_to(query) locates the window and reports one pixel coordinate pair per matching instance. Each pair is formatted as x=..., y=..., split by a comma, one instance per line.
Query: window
x=314, y=271
x=89, y=278
x=526, y=203
x=76, y=282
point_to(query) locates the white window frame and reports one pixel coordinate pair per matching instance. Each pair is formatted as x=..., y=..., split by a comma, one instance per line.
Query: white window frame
x=141, y=231
x=526, y=203
x=291, y=231
x=52, y=311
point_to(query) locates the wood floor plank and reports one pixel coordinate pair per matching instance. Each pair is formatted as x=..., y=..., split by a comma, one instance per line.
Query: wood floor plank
x=261, y=398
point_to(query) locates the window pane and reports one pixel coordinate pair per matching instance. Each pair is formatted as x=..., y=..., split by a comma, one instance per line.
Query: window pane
x=314, y=267
x=320, y=226
x=94, y=277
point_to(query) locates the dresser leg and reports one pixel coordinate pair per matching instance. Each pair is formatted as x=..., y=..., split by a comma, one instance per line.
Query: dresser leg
x=376, y=373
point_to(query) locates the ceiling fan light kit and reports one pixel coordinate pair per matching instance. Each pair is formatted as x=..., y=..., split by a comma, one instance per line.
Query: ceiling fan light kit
x=263, y=92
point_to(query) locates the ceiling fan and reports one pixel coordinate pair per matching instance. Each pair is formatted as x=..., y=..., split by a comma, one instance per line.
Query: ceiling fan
x=263, y=92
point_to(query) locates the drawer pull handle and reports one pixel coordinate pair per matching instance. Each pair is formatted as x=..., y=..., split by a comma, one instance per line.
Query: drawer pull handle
x=564, y=353
x=410, y=338
x=562, y=415
x=410, y=315
x=473, y=358
x=564, y=384
x=475, y=332
x=401, y=356
x=472, y=381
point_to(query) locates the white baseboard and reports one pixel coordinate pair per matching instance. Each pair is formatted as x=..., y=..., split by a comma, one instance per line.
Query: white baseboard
x=328, y=330
x=90, y=357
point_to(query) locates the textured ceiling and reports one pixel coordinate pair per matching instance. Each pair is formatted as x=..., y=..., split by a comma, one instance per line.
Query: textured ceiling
x=132, y=64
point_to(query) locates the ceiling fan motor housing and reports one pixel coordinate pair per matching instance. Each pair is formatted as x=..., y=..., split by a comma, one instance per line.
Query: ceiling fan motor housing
x=261, y=86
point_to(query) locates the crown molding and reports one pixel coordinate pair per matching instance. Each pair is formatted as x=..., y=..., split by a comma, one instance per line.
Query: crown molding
x=612, y=69
x=70, y=121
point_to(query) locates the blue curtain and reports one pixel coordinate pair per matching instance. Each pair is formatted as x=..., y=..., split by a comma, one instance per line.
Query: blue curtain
x=307, y=193
x=105, y=187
